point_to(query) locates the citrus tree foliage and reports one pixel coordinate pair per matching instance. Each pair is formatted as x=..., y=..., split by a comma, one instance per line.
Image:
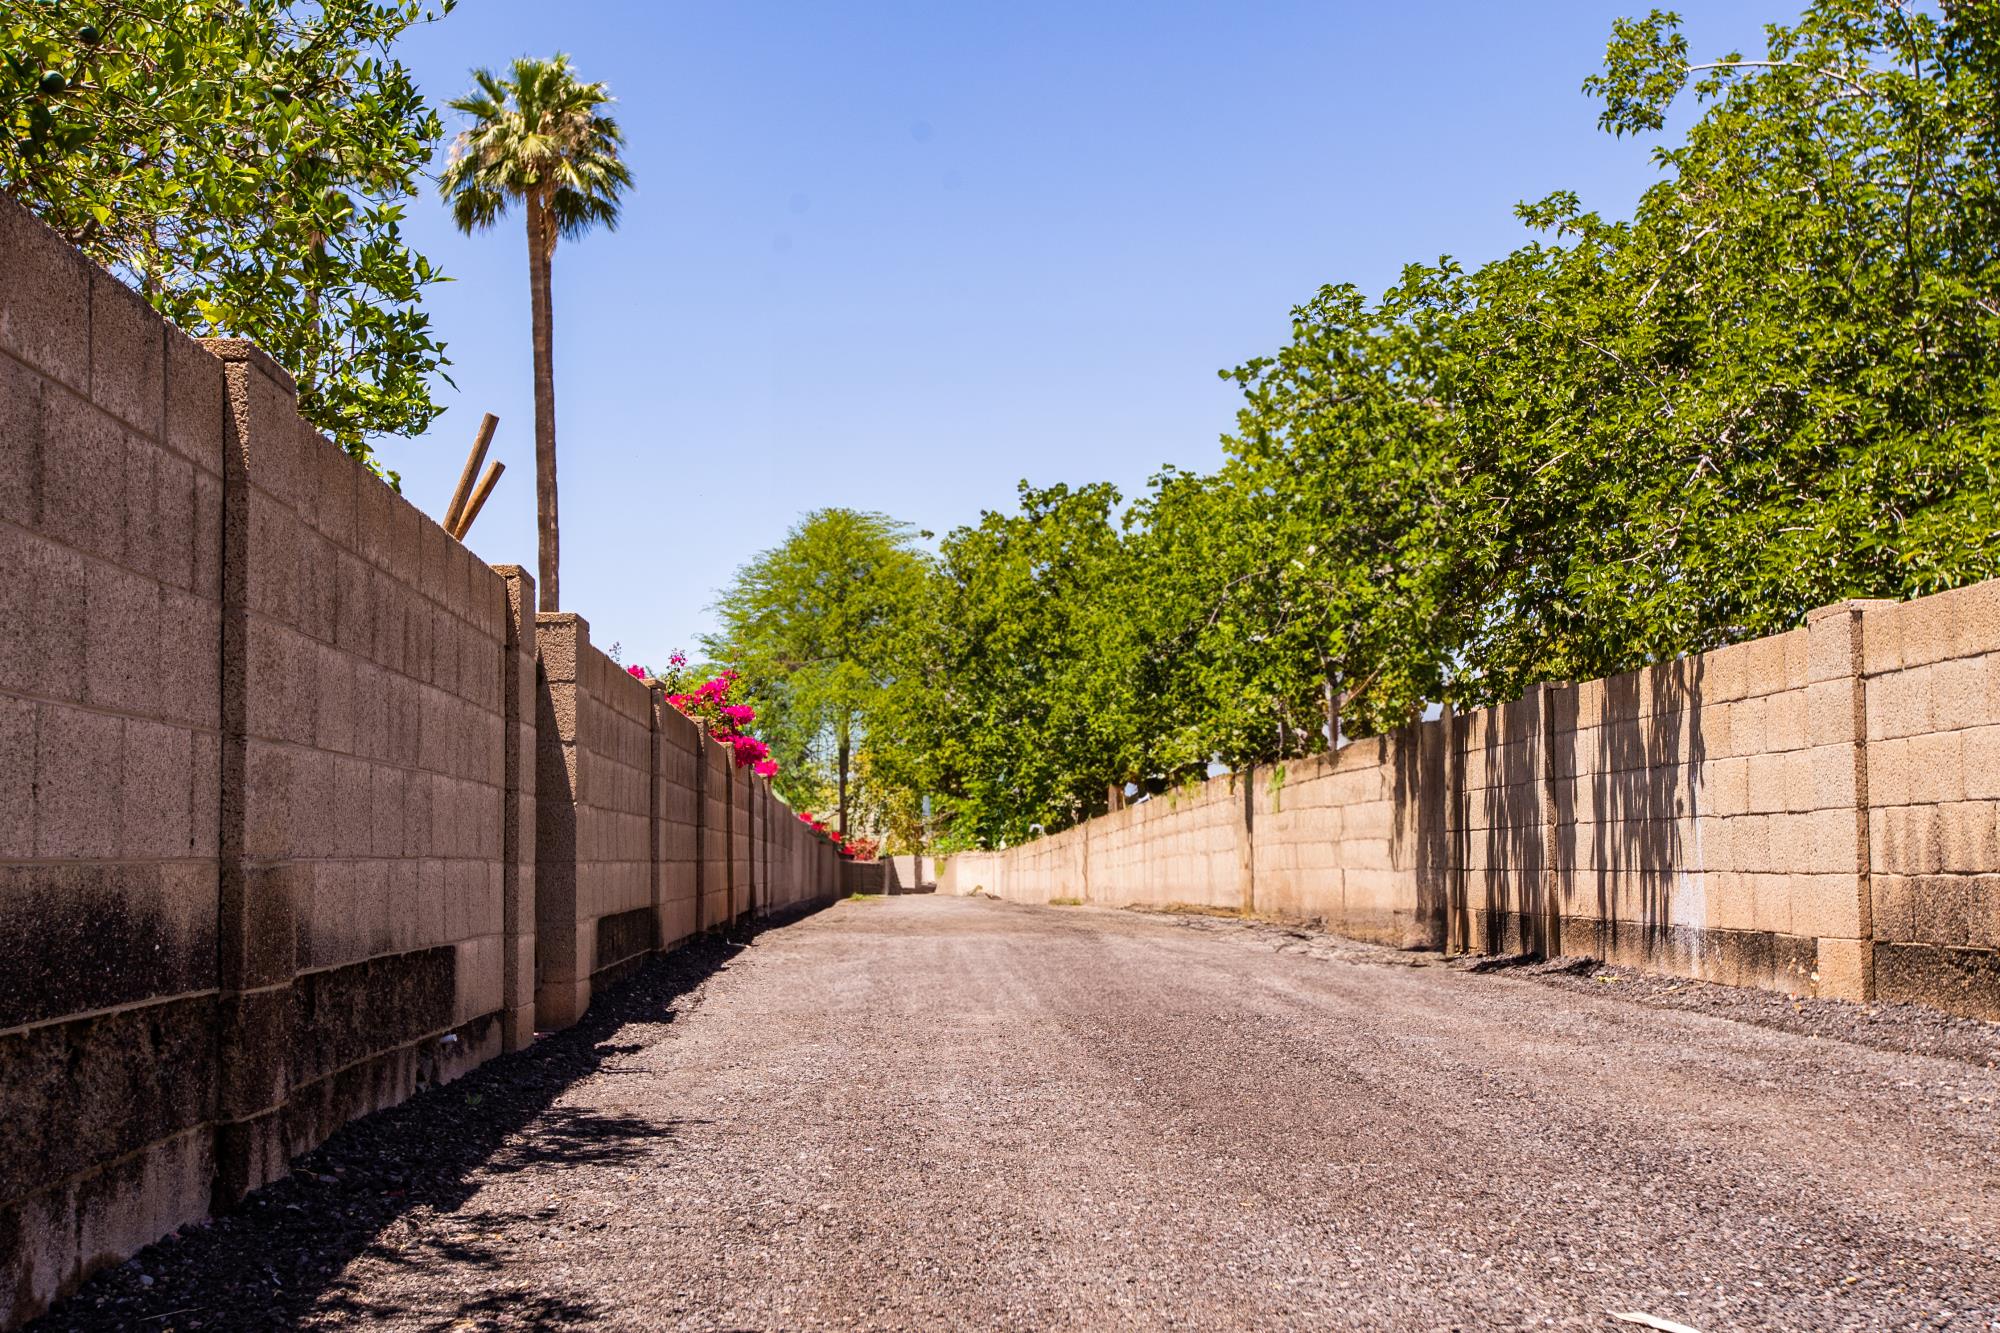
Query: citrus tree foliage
x=1772, y=387
x=245, y=165
x=815, y=626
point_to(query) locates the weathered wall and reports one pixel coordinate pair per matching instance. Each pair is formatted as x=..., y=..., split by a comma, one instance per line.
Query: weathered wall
x=1813, y=812
x=1182, y=847
x=677, y=810
x=300, y=804
x=594, y=877
x=910, y=874
x=363, y=724
x=1932, y=672
x=718, y=802
x=111, y=466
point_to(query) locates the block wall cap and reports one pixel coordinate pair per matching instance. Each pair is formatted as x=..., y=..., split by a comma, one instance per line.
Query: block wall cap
x=1848, y=607
x=243, y=351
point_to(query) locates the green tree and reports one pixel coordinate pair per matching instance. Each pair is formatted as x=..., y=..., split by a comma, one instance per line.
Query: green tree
x=815, y=625
x=541, y=139
x=1023, y=700
x=1770, y=389
x=245, y=165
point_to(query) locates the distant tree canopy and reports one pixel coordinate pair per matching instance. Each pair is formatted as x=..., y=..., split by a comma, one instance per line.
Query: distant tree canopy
x=245, y=165
x=817, y=626
x=1773, y=388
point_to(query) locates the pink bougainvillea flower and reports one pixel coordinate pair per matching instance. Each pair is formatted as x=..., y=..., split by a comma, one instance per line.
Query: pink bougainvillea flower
x=678, y=659
x=741, y=714
x=766, y=768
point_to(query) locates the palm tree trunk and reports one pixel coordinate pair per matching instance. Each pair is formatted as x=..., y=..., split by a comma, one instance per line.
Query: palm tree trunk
x=541, y=234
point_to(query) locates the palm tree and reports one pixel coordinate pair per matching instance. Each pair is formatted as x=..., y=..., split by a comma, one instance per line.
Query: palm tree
x=540, y=137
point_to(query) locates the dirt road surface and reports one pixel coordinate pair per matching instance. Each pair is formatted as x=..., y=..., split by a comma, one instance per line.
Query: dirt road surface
x=949, y=1113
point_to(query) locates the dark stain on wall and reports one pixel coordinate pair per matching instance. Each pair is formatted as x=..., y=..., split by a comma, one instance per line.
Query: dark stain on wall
x=97, y=1088
x=623, y=938
x=81, y=937
x=1959, y=981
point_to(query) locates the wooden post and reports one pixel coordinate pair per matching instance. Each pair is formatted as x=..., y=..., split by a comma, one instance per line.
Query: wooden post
x=487, y=425
x=478, y=500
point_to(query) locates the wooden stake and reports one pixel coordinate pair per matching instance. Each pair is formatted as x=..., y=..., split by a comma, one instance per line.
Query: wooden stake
x=454, y=511
x=478, y=500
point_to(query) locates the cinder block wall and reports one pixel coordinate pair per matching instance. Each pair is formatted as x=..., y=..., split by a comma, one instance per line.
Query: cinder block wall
x=1812, y=812
x=111, y=471
x=1182, y=847
x=677, y=810
x=364, y=718
x=1932, y=696
x=596, y=881
x=717, y=799
x=284, y=771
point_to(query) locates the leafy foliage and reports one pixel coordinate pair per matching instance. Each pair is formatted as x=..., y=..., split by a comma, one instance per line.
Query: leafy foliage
x=245, y=165
x=814, y=627
x=1772, y=388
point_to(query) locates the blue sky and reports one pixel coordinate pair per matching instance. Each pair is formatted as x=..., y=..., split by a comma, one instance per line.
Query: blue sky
x=899, y=256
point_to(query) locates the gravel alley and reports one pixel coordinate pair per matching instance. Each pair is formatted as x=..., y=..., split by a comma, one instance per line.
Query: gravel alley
x=922, y=1112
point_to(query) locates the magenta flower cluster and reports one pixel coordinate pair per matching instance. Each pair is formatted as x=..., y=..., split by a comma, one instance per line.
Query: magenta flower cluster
x=726, y=723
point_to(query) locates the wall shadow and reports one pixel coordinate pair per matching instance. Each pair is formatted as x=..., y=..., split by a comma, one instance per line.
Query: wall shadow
x=1422, y=825
x=397, y=1186
x=1514, y=882
x=1645, y=773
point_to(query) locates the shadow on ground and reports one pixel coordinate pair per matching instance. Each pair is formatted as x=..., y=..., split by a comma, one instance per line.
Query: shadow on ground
x=396, y=1185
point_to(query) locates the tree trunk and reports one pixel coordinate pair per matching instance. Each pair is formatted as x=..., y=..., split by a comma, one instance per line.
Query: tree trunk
x=541, y=251
x=843, y=781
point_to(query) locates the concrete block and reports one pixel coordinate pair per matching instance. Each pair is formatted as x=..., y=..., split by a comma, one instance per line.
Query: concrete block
x=21, y=428
x=44, y=299
x=1942, y=908
x=206, y=580
x=1882, y=638
x=156, y=815
x=121, y=620
x=1827, y=904
x=1764, y=666
x=78, y=756
x=1971, y=616
x=160, y=527
x=1983, y=913
x=127, y=355
x=18, y=721
x=1845, y=969
x=194, y=402
x=1937, y=768
x=1929, y=631
x=83, y=477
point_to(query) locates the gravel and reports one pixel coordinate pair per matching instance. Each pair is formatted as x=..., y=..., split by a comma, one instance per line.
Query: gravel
x=919, y=1112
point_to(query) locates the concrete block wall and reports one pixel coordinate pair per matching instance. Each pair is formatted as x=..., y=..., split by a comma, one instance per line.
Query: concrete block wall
x=1500, y=759
x=677, y=799
x=910, y=874
x=1341, y=838
x=111, y=474
x=718, y=805
x=1931, y=670
x=629, y=811
x=1180, y=847
x=363, y=758
x=1816, y=812
x=276, y=805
